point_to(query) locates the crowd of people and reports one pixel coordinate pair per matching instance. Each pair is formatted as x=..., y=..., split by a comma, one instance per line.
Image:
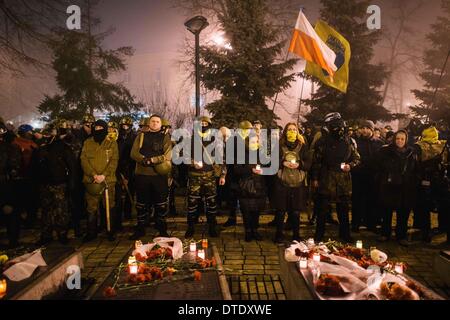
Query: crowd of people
x=106, y=172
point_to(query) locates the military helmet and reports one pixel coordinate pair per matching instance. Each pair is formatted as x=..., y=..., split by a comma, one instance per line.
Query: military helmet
x=333, y=116
x=61, y=124
x=126, y=121
x=145, y=121
x=165, y=123
x=205, y=119
x=88, y=118
x=112, y=124
x=245, y=125
x=163, y=168
x=95, y=189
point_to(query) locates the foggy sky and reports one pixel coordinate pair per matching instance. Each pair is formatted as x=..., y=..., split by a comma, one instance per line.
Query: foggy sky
x=156, y=31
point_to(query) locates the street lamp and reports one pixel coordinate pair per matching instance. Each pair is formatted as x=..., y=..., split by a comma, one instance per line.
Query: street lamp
x=196, y=25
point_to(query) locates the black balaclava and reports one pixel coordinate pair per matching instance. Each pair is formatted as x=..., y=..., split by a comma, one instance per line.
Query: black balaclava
x=100, y=135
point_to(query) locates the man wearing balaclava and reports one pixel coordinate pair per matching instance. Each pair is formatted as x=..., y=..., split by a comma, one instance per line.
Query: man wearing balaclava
x=433, y=182
x=99, y=160
x=334, y=157
x=202, y=177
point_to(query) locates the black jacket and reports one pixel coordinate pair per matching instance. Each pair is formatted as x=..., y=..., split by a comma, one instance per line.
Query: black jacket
x=367, y=149
x=10, y=161
x=55, y=163
x=397, y=177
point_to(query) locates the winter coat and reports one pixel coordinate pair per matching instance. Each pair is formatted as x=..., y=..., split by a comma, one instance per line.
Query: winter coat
x=328, y=155
x=397, y=177
x=252, y=191
x=99, y=159
x=54, y=164
x=287, y=198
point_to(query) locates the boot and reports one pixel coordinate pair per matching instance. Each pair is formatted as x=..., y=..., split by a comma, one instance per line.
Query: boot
x=139, y=232
x=190, y=230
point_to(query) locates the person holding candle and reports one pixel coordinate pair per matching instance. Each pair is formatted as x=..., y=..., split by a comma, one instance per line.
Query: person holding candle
x=202, y=176
x=252, y=185
x=397, y=171
x=289, y=191
x=332, y=180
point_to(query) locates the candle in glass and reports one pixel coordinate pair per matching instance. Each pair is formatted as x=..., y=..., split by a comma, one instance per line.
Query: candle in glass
x=303, y=263
x=205, y=243
x=201, y=254
x=398, y=267
x=359, y=244
x=316, y=256
x=193, y=247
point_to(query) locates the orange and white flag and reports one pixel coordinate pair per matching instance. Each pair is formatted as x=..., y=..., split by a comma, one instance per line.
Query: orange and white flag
x=307, y=44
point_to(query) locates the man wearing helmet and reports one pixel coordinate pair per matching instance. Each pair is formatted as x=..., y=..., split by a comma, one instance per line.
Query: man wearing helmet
x=125, y=170
x=334, y=157
x=152, y=151
x=202, y=179
x=54, y=170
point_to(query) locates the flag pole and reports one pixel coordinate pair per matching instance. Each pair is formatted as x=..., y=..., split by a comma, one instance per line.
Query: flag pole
x=438, y=84
x=285, y=59
x=300, y=101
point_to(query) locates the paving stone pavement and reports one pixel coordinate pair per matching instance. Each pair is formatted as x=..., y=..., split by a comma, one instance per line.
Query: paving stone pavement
x=252, y=269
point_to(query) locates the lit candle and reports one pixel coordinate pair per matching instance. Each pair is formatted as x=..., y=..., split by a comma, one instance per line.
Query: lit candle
x=201, y=254
x=343, y=165
x=193, y=247
x=310, y=242
x=3, y=286
x=398, y=267
x=303, y=263
x=293, y=161
x=258, y=167
x=133, y=268
x=359, y=244
x=200, y=164
x=316, y=256
x=138, y=244
x=205, y=243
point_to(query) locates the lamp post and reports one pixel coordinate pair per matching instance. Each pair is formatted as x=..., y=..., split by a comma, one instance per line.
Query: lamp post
x=196, y=25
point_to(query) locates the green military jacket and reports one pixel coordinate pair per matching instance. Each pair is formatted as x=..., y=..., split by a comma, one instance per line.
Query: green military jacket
x=99, y=159
x=137, y=156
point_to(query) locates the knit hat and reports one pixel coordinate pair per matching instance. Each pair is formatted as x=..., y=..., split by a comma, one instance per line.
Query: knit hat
x=368, y=124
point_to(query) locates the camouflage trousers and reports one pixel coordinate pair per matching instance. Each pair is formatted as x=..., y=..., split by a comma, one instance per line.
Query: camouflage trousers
x=199, y=186
x=55, y=209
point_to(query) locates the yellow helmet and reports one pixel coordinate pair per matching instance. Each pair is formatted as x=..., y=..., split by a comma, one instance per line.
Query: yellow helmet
x=165, y=123
x=127, y=121
x=245, y=125
x=95, y=189
x=205, y=119
x=145, y=121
